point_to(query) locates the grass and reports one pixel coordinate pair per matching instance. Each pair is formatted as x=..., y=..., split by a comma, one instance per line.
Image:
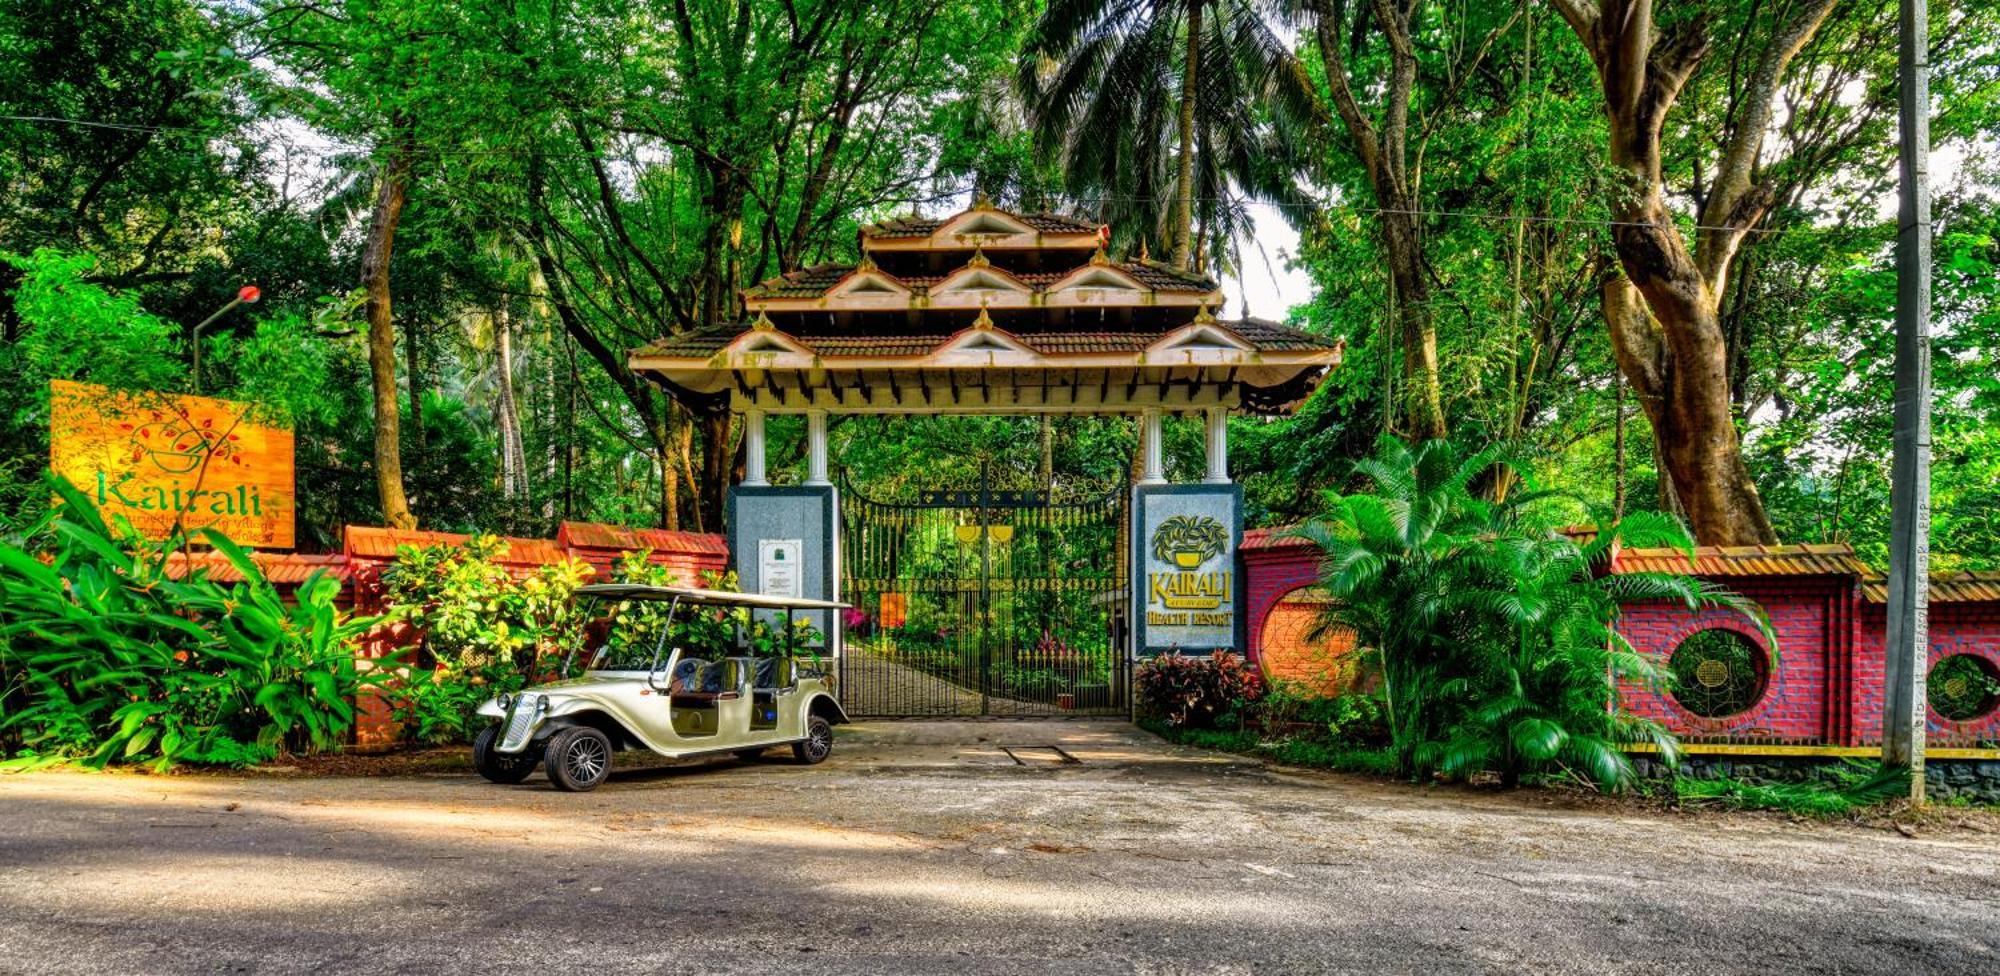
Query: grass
x=1859, y=785
x=1292, y=752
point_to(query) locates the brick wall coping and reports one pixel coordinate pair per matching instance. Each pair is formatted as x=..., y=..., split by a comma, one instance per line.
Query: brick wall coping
x=1947, y=587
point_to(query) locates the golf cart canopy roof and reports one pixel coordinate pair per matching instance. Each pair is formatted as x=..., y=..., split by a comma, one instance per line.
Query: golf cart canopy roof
x=688, y=596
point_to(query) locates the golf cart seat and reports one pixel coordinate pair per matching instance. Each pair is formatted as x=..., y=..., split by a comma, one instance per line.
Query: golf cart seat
x=701, y=683
x=771, y=674
x=697, y=683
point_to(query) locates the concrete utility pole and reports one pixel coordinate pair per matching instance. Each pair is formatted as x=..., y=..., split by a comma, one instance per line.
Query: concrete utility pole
x=1905, y=707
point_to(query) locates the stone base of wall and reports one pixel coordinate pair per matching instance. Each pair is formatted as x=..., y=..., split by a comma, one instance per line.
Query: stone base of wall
x=1977, y=780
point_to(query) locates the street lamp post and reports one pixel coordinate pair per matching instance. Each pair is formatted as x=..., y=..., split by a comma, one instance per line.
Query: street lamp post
x=246, y=295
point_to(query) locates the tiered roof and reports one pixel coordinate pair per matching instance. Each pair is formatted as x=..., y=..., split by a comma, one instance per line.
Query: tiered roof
x=989, y=310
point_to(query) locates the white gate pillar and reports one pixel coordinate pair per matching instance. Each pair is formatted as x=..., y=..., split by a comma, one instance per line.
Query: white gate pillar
x=1153, y=469
x=1218, y=446
x=816, y=448
x=753, y=449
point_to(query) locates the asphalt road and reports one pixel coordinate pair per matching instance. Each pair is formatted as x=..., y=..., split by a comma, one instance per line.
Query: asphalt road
x=926, y=848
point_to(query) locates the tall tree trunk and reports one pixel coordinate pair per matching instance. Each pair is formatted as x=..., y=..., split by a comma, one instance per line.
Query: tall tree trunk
x=1678, y=369
x=1423, y=393
x=684, y=458
x=715, y=458
x=1383, y=152
x=1048, y=444
x=551, y=393
x=669, y=476
x=1664, y=311
x=513, y=455
x=417, y=381
x=1184, y=192
x=391, y=192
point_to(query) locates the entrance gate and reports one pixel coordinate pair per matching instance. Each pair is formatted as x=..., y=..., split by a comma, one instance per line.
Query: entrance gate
x=984, y=601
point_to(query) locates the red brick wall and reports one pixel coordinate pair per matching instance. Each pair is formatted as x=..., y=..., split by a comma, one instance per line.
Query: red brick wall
x=1269, y=574
x=1955, y=628
x=1289, y=656
x=1809, y=618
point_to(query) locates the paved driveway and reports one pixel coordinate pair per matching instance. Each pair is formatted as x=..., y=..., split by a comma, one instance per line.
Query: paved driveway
x=930, y=848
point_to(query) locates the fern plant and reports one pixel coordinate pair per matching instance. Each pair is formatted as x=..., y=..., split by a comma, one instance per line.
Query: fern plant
x=1495, y=639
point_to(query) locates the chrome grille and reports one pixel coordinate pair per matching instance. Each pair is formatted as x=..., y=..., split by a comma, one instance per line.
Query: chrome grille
x=522, y=717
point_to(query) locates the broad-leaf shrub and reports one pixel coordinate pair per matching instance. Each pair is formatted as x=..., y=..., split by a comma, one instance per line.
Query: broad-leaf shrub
x=485, y=631
x=1494, y=638
x=1192, y=691
x=107, y=658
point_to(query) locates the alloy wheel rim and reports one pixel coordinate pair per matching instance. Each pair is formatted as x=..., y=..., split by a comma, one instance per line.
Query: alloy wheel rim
x=821, y=742
x=585, y=760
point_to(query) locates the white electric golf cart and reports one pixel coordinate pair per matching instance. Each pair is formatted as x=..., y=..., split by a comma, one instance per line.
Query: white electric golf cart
x=637, y=692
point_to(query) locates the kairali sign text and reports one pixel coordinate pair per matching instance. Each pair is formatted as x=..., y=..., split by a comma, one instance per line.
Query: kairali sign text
x=158, y=459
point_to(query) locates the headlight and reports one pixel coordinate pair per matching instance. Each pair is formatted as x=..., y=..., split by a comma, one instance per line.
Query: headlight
x=505, y=702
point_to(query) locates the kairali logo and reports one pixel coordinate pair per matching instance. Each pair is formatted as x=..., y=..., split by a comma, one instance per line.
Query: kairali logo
x=1186, y=595
x=179, y=446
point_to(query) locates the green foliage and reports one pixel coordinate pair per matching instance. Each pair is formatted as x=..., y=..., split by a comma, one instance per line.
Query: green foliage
x=1853, y=787
x=1196, y=691
x=1493, y=639
x=485, y=630
x=1106, y=85
x=1352, y=718
x=1347, y=757
x=108, y=658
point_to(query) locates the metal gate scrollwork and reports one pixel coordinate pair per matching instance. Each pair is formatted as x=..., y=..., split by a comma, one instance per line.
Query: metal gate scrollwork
x=983, y=601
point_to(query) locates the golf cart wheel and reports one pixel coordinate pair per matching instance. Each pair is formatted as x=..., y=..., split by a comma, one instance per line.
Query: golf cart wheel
x=578, y=759
x=497, y=766
x=748, y=754
x=818, y=743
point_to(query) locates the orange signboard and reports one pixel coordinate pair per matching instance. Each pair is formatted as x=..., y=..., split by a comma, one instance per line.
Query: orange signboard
x=895, y=610
x=158, y=459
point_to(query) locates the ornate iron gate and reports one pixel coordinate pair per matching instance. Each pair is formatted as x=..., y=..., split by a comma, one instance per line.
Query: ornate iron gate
x=983, y=602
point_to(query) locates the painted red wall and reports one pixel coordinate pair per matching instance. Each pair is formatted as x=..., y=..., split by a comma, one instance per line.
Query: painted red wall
x=1802, y=701
x=1270, y=572
x=1955, y=628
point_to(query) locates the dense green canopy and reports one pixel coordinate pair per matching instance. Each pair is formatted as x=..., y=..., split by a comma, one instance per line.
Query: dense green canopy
x=462, y=214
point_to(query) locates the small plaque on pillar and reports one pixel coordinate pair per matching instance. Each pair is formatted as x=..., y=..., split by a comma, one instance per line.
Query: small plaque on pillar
x=780, y=567
x=1187, y=592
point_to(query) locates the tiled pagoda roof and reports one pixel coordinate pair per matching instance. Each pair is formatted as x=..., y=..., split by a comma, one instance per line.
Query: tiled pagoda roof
x=817, y=280
x=1044, y=223
x=1257, y=333
x=1030, y=302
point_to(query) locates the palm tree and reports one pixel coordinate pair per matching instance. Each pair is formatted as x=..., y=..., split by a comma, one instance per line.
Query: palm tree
x=1496, y=643
x=1144, y=101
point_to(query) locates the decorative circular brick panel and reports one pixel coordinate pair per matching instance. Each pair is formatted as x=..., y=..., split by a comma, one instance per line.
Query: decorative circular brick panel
x=1719, y=673
x=1964, y=687
x=1286, y=653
